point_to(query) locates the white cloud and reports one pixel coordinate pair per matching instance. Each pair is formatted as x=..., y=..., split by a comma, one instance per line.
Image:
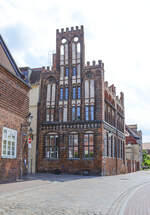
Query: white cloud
x=115, y=31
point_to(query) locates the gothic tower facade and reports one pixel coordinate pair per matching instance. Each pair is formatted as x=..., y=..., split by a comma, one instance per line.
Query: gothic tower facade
x=73, y=129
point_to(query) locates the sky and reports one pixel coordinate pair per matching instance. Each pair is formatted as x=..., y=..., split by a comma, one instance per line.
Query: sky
x=116, y=32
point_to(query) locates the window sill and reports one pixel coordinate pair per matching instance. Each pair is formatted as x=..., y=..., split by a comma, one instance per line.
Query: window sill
x=8, y=157
x=88, y=158
x=73, y=158
x=48, y=159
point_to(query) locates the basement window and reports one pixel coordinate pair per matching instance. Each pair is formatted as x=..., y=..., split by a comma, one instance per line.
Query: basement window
x=9, y=143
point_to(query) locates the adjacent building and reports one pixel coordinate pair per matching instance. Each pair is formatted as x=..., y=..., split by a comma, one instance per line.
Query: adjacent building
x=133, y=148
x=146, y=147
x=80, y=119
x=14, y=108
x=33, y=77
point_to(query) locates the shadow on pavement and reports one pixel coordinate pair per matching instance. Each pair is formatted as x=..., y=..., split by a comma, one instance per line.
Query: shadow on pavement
x=56, y=177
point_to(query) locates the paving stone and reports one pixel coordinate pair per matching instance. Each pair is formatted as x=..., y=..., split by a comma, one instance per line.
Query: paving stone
x=74, y=195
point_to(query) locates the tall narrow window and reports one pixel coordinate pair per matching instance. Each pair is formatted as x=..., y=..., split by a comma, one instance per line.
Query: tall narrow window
x=111, y=146
x=74, y=93
x=52, y=115
x=107, y=145
x=86, y=89
x=66, y=93
x=121, y=155
x=79, y=92
x=62, y=72
x=53, y=92
x=91, y=88
x=66, y=72
x=86, y=112
x=114, y=150
x=62, y=55
x=78, y=70
x=48, y=94
x=51, y=88
x=78, y=112
x=74, y=71
x=61, y=93
x=118, y=148
x=47, y=115
x=60, y=114
x=73, y=146
x=51, y=146
x=66, y=53
x=92, y=112
x=73, y=113
x=88, y=146
x=73, y=53
x=65, y=114
x=78, y=53
x=62, y=50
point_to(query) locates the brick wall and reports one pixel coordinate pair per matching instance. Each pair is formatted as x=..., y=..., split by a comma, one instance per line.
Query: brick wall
x=14, y=107
x=94, y=72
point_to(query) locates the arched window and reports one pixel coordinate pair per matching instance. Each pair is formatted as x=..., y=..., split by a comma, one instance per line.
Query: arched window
x=51, y=91
x=73, y=53
x=78, y=50
x=50, y=101
x=64, y=52
x=89, y=89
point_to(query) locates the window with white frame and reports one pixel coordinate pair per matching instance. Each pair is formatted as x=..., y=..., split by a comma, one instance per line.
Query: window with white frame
x=9, y=143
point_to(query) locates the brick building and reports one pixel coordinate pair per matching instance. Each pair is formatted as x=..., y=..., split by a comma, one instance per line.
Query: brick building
x=14, y=107
x=146, y=147
x=81, y=120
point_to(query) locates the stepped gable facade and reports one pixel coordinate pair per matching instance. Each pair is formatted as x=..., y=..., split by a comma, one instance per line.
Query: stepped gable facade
x=80, y=118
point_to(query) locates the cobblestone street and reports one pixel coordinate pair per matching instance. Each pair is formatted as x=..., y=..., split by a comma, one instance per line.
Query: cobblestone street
x=72, y=195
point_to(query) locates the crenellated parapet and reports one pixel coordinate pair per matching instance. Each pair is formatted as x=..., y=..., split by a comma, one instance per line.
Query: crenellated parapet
x=72, y=29
x=95, y=64
x=110, y=93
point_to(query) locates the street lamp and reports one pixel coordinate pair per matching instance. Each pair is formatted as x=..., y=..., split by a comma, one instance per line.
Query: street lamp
x=29, y=118
x=26, y=125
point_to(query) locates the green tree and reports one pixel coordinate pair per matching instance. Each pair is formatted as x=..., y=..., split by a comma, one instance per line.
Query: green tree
x=146, y=159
